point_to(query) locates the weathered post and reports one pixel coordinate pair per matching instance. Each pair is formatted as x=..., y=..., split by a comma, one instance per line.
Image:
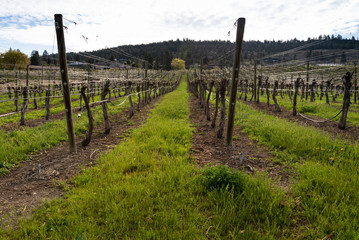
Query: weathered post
x=130, y=99
x=346, y=100
x=87, y=140
x=105, y=91
x=27, y=76
x=216, y=110
x=255, y=81
x=201, y=85
x=274, y=96
x=47, y=104
x=24, y=106
x=222, y=92
x=307, y=83
x=65, y=80
x=208, y=97
x=146, y=83
x=296, y=88
x=267, y=90
x=259, y=87
x=236, y=64
x=355, y=82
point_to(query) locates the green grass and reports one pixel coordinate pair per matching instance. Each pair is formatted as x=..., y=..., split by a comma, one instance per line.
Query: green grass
x=317, y=108
x=15, y=146
x=40, y=113
x=327, y=181
x=147, y=188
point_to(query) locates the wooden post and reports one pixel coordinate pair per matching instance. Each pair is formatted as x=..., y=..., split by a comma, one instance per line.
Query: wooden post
x=27, y=76
x=236, y=64
x=267, y=90
x=255, y=81
x=24, y=106
x=208, y=97
x=47, y=104
x=87, y=140
x=296, y=87
x=130, y=99
x=274, y=96
x=65, y=81
x=105, y=91
x=216, y=110
x=307, y=84
x=222, y=92
x=327, y=88
x=355, y=82
x=16, y=98
x=201, y=94
x=139, y=96
x=259, y=87
x=146, y=84
x=346, y=100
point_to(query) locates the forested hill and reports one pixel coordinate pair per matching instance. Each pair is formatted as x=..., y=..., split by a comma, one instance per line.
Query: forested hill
x=159, y=55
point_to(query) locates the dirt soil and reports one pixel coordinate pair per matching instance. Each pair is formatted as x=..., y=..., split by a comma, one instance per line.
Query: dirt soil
x=35, y=181
x=208, y=149
x=331, y=127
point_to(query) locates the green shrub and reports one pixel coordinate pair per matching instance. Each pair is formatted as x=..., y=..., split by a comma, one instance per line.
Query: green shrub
x=223, y=177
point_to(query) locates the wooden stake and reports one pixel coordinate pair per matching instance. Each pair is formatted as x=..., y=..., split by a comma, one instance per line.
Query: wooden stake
x=255, y=81
x=87, y=140
x=296, y=87
x=346, y=100
x=65, y=81
x=236, y=64
x=355, y=82
x=24, y=106
x=104, y=106
x=307, y=84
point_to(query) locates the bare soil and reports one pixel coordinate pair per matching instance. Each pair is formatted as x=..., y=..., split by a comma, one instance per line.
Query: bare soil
x=38, y=180
x=208, y=149
x=331, y=127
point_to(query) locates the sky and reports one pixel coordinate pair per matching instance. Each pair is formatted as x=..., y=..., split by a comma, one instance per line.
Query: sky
x=29, y=25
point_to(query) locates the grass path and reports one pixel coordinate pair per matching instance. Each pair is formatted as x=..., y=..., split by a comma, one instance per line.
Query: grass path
x=148, y=188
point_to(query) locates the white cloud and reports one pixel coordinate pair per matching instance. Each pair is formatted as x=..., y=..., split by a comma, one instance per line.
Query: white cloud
x=116, y=22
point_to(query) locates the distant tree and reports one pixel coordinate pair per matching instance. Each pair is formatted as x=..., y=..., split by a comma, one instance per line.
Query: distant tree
x=15, y=58
x=148, y=57
x=245, y=55
x=178, y=64
x=35, y=58
x=45, y=57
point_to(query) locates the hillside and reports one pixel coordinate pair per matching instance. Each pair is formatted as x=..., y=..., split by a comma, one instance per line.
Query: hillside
x=327, y=49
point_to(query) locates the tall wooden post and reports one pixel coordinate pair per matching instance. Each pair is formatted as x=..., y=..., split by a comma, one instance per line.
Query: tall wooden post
x=307, y=84
x=27, y=76
x=255, y=81
x=355, y=82
x=146, y=83
x=346, y=100
x=236, y=64
x=42, y=75
x=65, y=80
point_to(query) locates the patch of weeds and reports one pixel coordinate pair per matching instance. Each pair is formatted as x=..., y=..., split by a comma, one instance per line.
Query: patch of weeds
x=223, y=177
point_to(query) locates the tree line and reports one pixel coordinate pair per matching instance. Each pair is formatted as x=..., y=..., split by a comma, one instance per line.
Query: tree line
x=159, y=55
